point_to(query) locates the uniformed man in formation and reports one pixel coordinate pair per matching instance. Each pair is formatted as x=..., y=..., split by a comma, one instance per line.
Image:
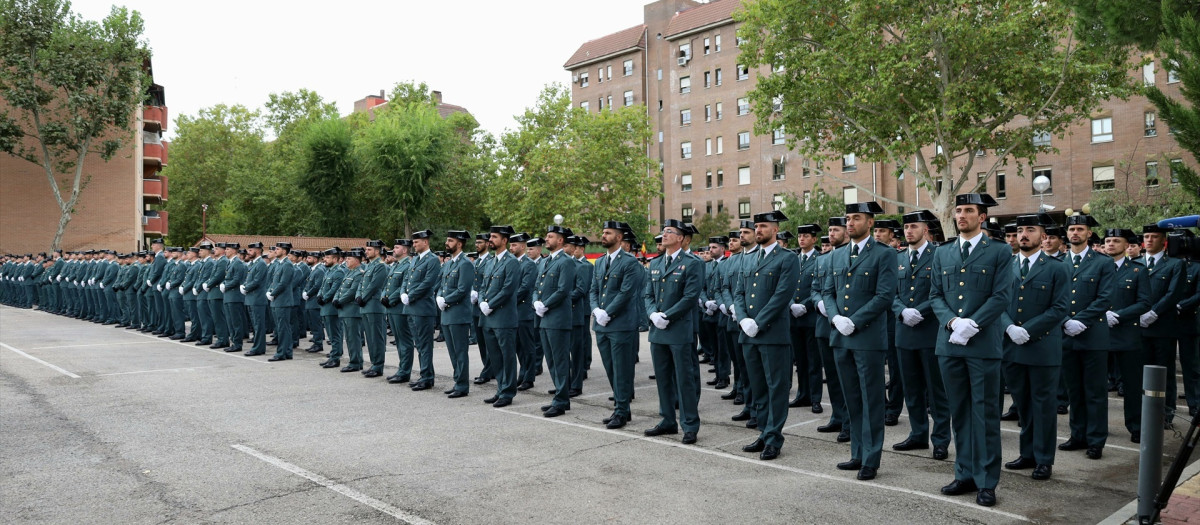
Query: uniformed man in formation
x=1043, y=310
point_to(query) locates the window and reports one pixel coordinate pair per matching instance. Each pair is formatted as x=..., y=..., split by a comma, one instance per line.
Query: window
x=627, y=66
x=1176, y=165
x=849, y=163
x=599, y=75
x=708, y=207
x=743, y=140
x=600, y=104
x=707, y=79
x=686, y=181
x=743, y=72
x=849, y=195
x=685, y=84
x=608, y=72
x=583, y=80
x=685, y=150
x=685, y=117
x=707, y=147
x=708, y=113
x=584, y=105
x=660, y=73
x=777, y=201
x=1152, y=173
x=717, y=44
x=707, y=46
x=609, y=102
x=937, y=184
x=743, y=106
x=981, y=181
x=1047, y=173
x=1041, y=138
x=718, y=75
x=720, y=178
x=1103, y=178
x=719, y=112
x=1172, y=74
x=807, y=199
x=777, y=104
x=1151, y=122
x=743, y=175
x=720, y=206
x=628, y=98
x=1001, y=189
x=1148, y=73
x=708, y=179
x=777, y=169
x=805, y=169
x=1102, y=129
x=660, y=137
x=687, y=212
x=685, y=51
x=777, y=136
x=743, y=208
x=720, y=145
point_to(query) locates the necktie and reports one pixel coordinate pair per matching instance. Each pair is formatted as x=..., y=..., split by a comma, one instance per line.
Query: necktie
x=1077, y=261
x=1150, y=265
x=966, y=250
x=1024, y=268
x=762, y=254
x=854, y=251
x=912, y=262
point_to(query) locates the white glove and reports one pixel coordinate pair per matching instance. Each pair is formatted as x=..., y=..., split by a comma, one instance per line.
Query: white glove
x=147, y=284
x=1018, y=334
x=167, y=286
x=404, y=299
x=474, y=296
x=202, y=285
x=441, y=302
x=303, y=295
x=724, y=310
x=101, y=286
x=484, y=308
x=194, y=291
x=222, y=287
x=270, y=297
x=798, y=310
x=77, y=283
x=911, y=316
x=90, y=281
x=158, y=287
x=1113, y=318
x=749, y=327
x=732, y=312
x=539, y=308
x=601, y=316
x=57, y=277
x=821, y=308
x=1073, y=328
x=659, y=320
x=242, y=289
x=958, y=339
x=180, y=290
x=965, y=328
x=710, y=305
x=1148, y=318
x=843, y=324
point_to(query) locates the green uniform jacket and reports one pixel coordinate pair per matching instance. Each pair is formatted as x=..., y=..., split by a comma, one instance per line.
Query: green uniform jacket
x=395, y=284
x=343, y=300
x=673, y=291
x=334, y=276
x=615, y=288
x=421, y=284
x=256, y=283
x=1090, y=285
x=862, y=289
x=554, y=287
x=1130, y=298
x=1168, y=286
x=1040, y=307
x=235, y=275
x=457, y=277
x=764, y=292
x=913, y=292
x=500, y=291
x=979, y=289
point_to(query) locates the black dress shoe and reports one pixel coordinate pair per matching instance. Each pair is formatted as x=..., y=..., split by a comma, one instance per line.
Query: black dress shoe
x=658, y=430
x=651, y=376
x=221, y=345
x=554, y=412
x=314, y=349
x=331, y=364
x=959, y=487
x=1042, y=472
x=456, y=394
x=891, y=420
x=615, y=422
x=254, y=353
x=424, y=385
x=711, y=382
x=1011, y=415
x=844, y=436
x=440, y=338
x=753, y=423
x=448, y=392
x=491, y=400
x=755, y=446
x=273, y=342
x=689, y=438
x=741, y=416
x=1021, y=463
x=867, y=473
x=372, y=373
x=1062, y=410
x=940, y=452
x=574, y=393
x=1095, y=452
x=831, y=427
x=853, y=464
x=769, y=453
x=911, y=444
x=175, y=337
x=1135, y=437
x=798, y=402
x=986, y=497
x=524, y=386
x=1071, y=444
x=552, y=391
x=722, y=384
x=349, y=368
x=705, y=360
x=275, y=358
x=739, y=400
x=502, y=403
x=817, y=408
x=233, y=349
x=395, y=379
x=204, y=342
x=730, y=395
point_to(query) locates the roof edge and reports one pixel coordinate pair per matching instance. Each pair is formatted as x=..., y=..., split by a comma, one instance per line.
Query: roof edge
x=570, y=66
x=705, y=27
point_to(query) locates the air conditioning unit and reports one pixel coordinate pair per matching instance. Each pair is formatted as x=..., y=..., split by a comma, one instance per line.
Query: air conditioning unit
x=575, y=79
x=683, y=60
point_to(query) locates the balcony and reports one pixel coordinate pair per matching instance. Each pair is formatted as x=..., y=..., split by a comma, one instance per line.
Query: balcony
x=155, y=155
x=154, y=191
x=154, y=118
x=155, y=223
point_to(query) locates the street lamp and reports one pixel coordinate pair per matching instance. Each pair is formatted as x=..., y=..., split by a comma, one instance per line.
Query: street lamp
x=1041, y=183
x=203, y=221
x=558, y=218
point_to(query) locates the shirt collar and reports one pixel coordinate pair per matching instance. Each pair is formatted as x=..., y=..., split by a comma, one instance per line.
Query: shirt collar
x=1032, y=258
x=555, y=253
x=768, y=248
x=973, y=241
x=1157, y=258
x=810, y=253
x=861, y=244
x=1080, y=254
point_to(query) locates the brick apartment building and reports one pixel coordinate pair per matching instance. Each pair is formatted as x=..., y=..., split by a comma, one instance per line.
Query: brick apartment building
x=118, y=209
x=682, y=64
x=370, y=103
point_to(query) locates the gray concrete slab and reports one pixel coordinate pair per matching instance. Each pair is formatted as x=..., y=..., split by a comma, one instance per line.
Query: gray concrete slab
x=155, y=431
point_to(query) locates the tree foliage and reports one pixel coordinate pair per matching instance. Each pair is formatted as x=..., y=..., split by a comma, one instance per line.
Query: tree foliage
x=1138, y=208
x=817, y=210
x=72, y=86
x=924, y=84
x=563, y=160
x=329, y=174
x=712, y=225
x=401, y=153
x=1180, y=43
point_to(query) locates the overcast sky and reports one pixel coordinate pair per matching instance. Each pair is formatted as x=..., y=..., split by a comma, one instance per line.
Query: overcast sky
x=491, y=57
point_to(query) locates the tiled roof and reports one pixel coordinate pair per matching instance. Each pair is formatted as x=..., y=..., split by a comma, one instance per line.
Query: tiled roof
x=631, y=38
x=298, y=243
x=443, y=109
x=700, y=16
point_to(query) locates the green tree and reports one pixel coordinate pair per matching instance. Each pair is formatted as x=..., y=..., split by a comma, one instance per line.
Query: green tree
x=1129, y=22
x=291, y=109
x=1180, y=43
x=456, y=199
x=563, y=160
x=72, y=86
x=712, y=225
x=401, y=153
x=819, y=208
x=1138, y=208
x=924, y=84
x=330, y=174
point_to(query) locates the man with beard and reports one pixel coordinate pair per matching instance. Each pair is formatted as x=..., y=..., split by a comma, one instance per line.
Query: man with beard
x=232, y=299
x=483, y=260
x=740, y=242
x=525, y=314
x=255, y=290
x=395, y=311
x=279, y=293
x=335, y=273
x=806, y=355
x=613, y=298
x=420, y=288
x=552, y=303
x=839, y=420
x=497, y=303
x=312, y=309
x=1129, y=299
x=581, y=340
x=454, y=300
x=348, y=311
x=199, y=290
x=369, y=298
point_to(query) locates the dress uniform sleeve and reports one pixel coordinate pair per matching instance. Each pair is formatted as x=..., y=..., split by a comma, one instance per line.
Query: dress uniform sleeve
x=422, y=286
x=1142, y=302
x=1094, y=313
x=1001, y=293
x=1053, y=317
x=937, y=298
x=648, y=288
x=631, y=274
x=885, y=290
x=564, y=287
x=1175, y=291
x=785, y=291
x=693, y=282
x=461, y=290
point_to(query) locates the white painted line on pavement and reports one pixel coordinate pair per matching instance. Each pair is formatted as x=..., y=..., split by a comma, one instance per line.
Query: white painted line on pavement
x=97, y=344
x=55, y=368
x=194, y=347
x=190, y=369
x=802, y=423
x=336, y=487
x=775, y=465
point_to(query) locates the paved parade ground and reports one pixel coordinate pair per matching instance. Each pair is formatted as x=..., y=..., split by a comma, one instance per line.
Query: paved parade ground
x=104, y=425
